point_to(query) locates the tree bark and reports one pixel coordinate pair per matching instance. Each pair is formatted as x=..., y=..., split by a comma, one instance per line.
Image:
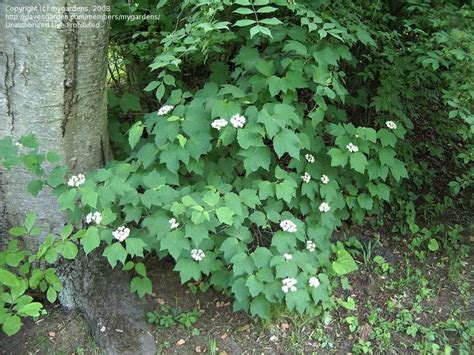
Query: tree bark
x=53, y=84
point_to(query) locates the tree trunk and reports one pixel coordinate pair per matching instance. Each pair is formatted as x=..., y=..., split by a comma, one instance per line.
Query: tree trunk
x=53, y=84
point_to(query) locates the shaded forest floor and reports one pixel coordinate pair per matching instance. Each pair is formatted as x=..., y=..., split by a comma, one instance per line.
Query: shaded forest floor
x=403, y=299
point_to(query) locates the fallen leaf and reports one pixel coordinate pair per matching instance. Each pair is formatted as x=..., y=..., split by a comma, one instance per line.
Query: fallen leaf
x=365, y=331
x=180, y=342
x=274, y=338
x=243, y=328
x=161, y=301
x=51, y=334
x=284, y=326
x=198, y=349
x=223, y=336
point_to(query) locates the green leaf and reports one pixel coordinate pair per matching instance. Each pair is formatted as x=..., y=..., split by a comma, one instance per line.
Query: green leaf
x=31, y=309
x=30, y=221
x=298, y=300
x=365, y=38
x=344, y=263
x=365, y=201
x=34, y=187
x=52, y=295
x=18, y=231
x=135, y=133
x=286, y=190
x=141, y=285
x=266, y=9
x=11, y=325
x=89, y=196
x=151, y=86
x=224, y=214
x=260, y=29
x=358, y=162
x=115, y=252
x=249, y=197
x=243, y=11
x=433, y=245
x=140, y=269
x=90, y=240
x=338, y=157
x=9, y=279
x=70, y=250
x=66, y=231
x=260, y=307
x=271, y=21
x=29, y=141
x=175, y=243
x=287, y=142
x=243, y=23
x=256, y=158
x=187, y=270
x=56, y=177
x=134, y=246
x=255, y=285
x=130, y=102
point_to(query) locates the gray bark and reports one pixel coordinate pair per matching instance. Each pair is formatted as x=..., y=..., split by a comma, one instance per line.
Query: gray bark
x=53, y=84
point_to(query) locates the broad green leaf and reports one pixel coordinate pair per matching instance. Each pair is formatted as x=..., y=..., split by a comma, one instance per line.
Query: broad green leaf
x=135, y=133
x=34, y=187
x=224, y=214
x=141, y=285
x=255, y=286
x=365, y=201
x=134, y=246
x=286, y=190
x=287, y=141
x=358, y=162
x=344, y=263
x=249, y=197
x=260, y=307
x=11, y=324
x=70, y=250
x=52, y=295
x=31, y=309
x=90, y=240
x=338, y=157
x=115, y=252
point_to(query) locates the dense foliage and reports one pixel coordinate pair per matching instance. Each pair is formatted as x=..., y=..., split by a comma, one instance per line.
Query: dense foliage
x=254, y=129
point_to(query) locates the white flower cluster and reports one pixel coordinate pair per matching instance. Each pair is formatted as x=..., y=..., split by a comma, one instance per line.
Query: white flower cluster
x=164, y=110
x=391, y=125
x=287, y=257
x=197, y=254
x=324, y=207
x=219, y=124
x=238, y=121
x=19, y=145
x=313, y=282
x=309, y=158
x=173, y=223
x=76, y=180
x=310, y=245
x=121, y=233
x=352, y=148
x=288, y=226
x=324, y=179
x=94, y=217
x=289, y=285
x=306, y=177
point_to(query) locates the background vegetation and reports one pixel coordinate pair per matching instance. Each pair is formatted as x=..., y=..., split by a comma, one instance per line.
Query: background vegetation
x=352, y=116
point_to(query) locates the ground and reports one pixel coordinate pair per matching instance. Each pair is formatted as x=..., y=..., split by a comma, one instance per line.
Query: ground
x=399, y=301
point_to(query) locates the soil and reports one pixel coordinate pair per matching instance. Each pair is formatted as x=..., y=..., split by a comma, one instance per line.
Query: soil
x=235, y=333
